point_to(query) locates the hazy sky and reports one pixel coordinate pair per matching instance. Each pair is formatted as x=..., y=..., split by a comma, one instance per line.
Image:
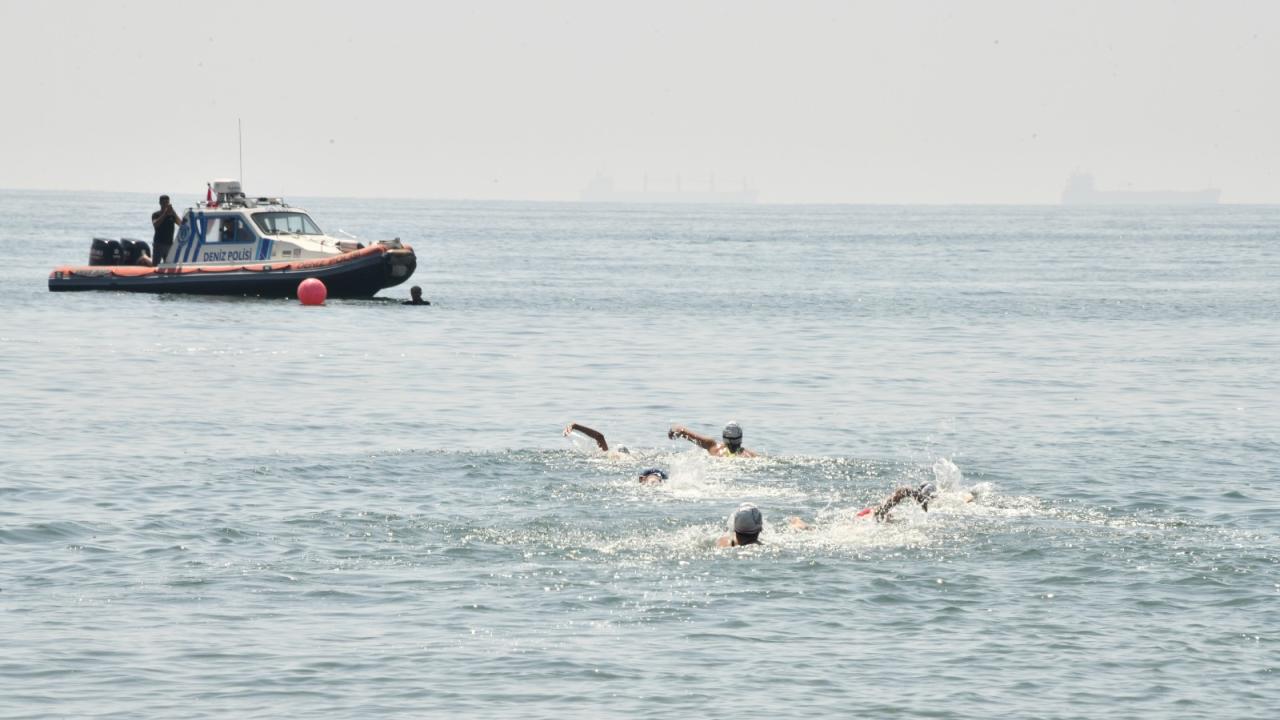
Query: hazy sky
x=813, y=101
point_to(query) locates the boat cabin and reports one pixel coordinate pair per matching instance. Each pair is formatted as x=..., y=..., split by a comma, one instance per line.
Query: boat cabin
x=233, y=228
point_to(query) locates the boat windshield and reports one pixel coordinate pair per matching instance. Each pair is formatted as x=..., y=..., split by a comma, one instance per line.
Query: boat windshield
x=285, y=223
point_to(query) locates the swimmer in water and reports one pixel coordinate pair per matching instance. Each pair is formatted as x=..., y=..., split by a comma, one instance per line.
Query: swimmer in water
x=731, y=447
x=924, y=494
x=648, y=476
x=745, y=525
x=415, y=297
x=593, y=434
x=652, y=476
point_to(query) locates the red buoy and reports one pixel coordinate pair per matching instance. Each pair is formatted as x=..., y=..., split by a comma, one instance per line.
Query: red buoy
x=312, y=292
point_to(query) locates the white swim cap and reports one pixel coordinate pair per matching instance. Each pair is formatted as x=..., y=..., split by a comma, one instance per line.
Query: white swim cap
x=746, y=519
x=732, y=431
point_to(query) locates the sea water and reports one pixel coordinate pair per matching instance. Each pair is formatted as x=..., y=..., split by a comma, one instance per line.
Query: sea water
x=233, y=507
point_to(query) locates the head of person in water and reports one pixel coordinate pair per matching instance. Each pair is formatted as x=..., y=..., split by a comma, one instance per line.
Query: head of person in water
x=415, y=292
x=746, y=523
x=925, y=493
x=732, y=437
x=652, y=476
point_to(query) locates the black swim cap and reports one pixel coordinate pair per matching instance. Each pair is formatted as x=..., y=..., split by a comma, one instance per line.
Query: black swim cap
x=732, y=432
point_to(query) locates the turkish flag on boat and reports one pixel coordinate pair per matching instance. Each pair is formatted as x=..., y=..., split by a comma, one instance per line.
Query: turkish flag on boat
x=208, y=196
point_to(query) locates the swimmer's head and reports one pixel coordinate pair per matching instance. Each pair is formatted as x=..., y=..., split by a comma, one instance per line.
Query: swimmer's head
x=927, y=491
x=746, y=523
x=732, y=435
x=652, y=475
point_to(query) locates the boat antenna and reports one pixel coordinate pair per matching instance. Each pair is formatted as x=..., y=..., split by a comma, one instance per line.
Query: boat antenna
x=240, y=139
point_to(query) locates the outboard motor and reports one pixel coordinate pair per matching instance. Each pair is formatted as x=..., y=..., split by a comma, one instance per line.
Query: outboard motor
x=98, y=252
x=115, y=252
x=133, y=250
x=144, y=250
x=128, y=253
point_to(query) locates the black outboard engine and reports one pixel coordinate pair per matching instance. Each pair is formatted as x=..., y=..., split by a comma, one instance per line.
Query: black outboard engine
x=134, y=250
x=128, y=253
x=98, y=252
x=144, y=249
x=115, y=252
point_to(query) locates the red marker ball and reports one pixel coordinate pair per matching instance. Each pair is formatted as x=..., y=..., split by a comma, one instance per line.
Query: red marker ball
x=312, y=292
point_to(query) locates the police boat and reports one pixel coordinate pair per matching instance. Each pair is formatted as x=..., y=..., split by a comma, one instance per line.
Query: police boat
x=235, y=245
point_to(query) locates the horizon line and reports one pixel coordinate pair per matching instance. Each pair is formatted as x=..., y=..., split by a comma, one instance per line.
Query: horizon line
x=953, y=203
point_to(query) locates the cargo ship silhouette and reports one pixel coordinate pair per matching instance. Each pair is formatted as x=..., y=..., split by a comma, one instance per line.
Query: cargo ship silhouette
x=1080, y=190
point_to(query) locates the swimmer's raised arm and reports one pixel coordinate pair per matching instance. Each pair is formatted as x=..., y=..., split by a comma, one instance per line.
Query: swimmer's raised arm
x=920, y=495
x=680, y=431
x=593, y=434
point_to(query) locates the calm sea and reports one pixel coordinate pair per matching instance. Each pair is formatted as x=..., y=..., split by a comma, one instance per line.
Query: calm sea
x=218, y=508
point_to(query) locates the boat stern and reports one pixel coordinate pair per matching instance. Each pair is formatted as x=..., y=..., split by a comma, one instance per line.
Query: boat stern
x=401, y=261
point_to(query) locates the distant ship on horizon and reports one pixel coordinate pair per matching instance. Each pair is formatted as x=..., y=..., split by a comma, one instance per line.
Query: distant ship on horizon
x=1080, y=190
x=601, y=189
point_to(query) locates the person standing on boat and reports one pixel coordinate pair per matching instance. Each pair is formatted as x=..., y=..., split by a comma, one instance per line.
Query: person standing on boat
x=163, y=220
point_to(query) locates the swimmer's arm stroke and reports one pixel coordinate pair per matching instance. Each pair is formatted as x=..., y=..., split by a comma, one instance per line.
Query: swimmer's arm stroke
x=680, y=431
x=593, y=434
x=898, y=496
